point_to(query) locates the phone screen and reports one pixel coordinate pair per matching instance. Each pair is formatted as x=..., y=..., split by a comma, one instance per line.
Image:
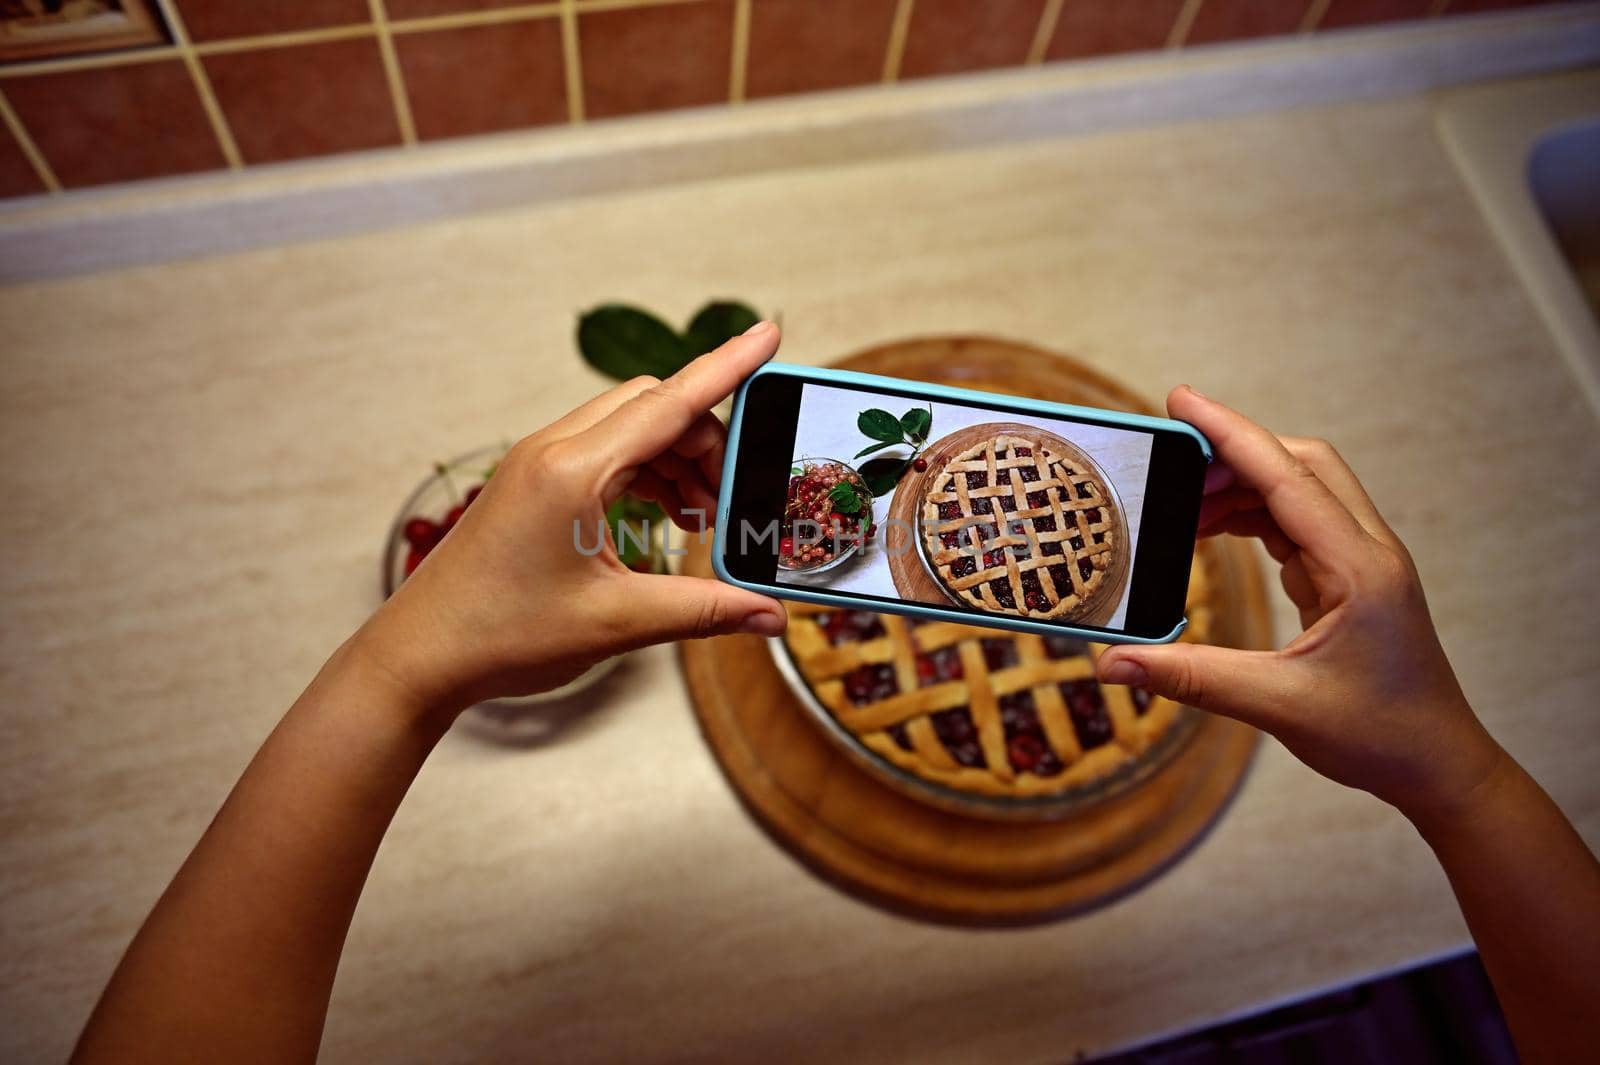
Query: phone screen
x=988, y=507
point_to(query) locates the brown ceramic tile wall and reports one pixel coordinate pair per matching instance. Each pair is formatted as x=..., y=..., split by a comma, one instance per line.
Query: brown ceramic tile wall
x=252, y=81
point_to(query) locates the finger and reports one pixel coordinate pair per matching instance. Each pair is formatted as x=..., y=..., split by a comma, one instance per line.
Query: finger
x=653, y=420
x=589, y=414
x=648, y=485
x=703, y=442
x=1332, y=470
x=1304, y=508
x=1214, y=508
x=1258, y=524
x=1257, y=687
x=685, y=477
x=663, y=608
x=1219, y=475
x=1300, y=589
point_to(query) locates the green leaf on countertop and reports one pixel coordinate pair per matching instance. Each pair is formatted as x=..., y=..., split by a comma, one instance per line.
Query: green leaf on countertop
x=644, y=520
x=717, y=323
x=870, y=448
x=623, y=342
x=882, y=475
x=916, y=423
x=880, y=425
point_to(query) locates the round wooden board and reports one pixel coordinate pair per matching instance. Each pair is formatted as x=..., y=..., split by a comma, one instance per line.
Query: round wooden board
x=914, y=858
x=909, y=568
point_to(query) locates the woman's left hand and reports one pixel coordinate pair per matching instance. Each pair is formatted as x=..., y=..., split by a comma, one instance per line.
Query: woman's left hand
x=507, y=604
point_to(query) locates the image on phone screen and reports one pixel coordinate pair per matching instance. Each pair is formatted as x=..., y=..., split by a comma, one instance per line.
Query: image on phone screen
x=1036, y=517
x=893, y=496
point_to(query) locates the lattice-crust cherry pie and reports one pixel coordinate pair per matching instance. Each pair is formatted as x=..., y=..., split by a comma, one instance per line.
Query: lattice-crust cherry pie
x=980, y=710
x=1022, y=525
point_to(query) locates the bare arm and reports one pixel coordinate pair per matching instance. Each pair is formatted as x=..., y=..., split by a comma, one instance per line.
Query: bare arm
x=1365, y=696
x=237, y=960
x=1530, y=891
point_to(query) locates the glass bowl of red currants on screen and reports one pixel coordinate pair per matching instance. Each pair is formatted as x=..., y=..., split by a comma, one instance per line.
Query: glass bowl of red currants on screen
x=827, y=516
x=433, y=509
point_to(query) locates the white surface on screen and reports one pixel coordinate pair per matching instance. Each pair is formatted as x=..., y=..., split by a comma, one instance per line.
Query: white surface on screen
x=828, y=430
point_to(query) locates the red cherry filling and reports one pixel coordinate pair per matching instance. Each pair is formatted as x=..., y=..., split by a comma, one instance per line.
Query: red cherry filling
x=850, y=626
x=965, y=566
x=901, y=737
x=1088, y=710
x=1026, y=747
x=999, y=654
x=870, y=684
x=959, y=735
x=950, y=511
x=939, y=666
x=1028, y=473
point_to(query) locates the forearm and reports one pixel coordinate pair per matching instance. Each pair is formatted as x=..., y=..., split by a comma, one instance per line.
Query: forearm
x=1530, y=891
x=236, y=962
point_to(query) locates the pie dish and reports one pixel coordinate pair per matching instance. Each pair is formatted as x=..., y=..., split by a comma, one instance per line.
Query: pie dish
x=965, y=716
x=1022, y=524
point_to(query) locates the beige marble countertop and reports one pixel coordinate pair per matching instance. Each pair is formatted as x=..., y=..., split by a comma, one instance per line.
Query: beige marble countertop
x=202, y=458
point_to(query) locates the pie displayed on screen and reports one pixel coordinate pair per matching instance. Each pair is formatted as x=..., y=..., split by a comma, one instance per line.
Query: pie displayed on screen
x=1022, y=525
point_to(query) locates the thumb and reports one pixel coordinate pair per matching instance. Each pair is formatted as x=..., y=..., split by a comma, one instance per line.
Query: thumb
x=1253, y=686
x=665, y=608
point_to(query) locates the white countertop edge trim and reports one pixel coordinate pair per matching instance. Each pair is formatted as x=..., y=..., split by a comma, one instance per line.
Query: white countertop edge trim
x=1491, y=132
x=159, y=221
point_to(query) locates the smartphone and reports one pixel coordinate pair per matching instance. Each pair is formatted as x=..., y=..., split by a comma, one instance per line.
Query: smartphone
x=867, y=492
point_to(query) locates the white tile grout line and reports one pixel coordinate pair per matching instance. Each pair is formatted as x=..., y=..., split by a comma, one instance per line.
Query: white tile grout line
x=1048, y=19
x=202, y=85
x=898, y=30
x=36, y=159
x=739, y=63
x=1183, y=23
x=393, y=75
x=572, y=61
x=491, y=17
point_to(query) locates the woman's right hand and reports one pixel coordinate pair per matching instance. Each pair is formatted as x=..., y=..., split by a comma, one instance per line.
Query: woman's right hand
x=1364, y=695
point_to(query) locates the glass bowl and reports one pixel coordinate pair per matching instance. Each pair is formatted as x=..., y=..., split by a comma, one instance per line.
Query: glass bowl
x=852, y=547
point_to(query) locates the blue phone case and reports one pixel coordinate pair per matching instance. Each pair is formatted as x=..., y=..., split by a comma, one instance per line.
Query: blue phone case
x=960, y=395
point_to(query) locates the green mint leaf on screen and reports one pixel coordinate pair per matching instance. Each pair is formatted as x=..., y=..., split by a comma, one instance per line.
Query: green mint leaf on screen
x=717, y=323
x=870, y=448
x=916, y=423
x=795, y=471
x=883, y=474
x=880, y=425
x=625, y=342
x=846, y=499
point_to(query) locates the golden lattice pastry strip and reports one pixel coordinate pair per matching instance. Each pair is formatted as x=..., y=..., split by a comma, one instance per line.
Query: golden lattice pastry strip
x=979, y=710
